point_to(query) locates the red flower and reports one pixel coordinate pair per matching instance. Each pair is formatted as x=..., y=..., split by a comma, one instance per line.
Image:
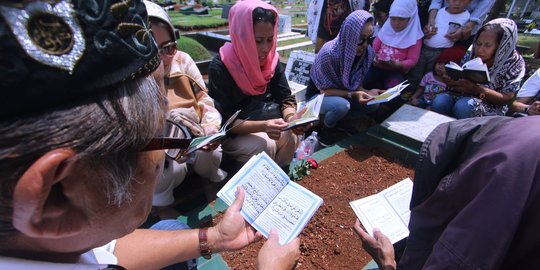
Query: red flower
x=313, y=163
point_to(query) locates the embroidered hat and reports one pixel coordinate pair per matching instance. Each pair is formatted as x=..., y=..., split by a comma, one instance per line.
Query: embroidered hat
x=56, y=52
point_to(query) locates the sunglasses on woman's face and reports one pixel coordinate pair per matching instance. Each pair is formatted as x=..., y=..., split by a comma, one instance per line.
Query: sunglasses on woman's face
x=168, y=48
x=175, y=140
x=369, y=40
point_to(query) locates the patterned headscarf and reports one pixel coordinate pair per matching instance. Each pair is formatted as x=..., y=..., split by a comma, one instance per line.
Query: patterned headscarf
x=240, y=55
x=508, y=67
x=335, y=65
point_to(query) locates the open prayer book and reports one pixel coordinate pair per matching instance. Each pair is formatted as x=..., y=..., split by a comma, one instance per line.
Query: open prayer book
x=272, y=199
x=200, y=142
x=309, y=112
x=474, y=70
x=387, y=210
x=389, y=94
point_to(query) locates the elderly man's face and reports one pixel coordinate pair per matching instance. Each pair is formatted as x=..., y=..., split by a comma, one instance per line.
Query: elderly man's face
x=112, y=221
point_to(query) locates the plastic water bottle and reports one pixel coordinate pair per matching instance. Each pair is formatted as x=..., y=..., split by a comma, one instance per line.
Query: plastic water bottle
x=310, y=144
x=307, y=147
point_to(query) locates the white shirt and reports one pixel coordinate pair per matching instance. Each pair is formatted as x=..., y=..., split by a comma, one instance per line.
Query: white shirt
x=442, y=22
x=95, y=259
x=531, y=87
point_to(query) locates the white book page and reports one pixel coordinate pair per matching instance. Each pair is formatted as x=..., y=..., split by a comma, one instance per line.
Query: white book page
x=288, y=213
x=398, y=197
x=262, y=179
x=389, y=94
x=473, y=63
x=375, y=211
x=296, y=87
x=482, y=67
x=453, y=65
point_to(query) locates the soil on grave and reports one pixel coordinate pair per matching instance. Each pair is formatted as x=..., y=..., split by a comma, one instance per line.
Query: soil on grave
x=328, y=241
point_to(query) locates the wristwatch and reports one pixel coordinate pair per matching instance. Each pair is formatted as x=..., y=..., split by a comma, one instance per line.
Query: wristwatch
x=349, y=95
x=204, y=246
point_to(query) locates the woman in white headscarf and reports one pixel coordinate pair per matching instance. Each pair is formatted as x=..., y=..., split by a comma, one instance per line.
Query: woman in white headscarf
x=397, y=46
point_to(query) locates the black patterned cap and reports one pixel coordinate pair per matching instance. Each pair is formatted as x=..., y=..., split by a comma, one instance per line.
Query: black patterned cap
x=57, y=52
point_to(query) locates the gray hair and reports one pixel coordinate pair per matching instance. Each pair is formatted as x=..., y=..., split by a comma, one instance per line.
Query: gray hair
x=106, y=131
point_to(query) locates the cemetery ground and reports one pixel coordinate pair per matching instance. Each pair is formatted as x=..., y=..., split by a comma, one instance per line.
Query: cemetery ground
x=328, y=241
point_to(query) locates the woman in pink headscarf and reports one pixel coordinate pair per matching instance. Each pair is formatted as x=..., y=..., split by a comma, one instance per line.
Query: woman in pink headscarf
x=247, y=76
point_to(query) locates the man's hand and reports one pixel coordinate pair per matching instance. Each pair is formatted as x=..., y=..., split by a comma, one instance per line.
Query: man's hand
x=274, y=127
x=277, y=257
x=233, y=232
x=379, y=247
x=534, y=109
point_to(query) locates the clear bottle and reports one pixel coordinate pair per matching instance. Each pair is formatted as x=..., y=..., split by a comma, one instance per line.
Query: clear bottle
x=310, y=144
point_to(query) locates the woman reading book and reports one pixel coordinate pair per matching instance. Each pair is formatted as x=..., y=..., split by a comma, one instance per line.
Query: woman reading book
x=339, y=71
x=246, y=75
x=190, y=107
x=495, y=44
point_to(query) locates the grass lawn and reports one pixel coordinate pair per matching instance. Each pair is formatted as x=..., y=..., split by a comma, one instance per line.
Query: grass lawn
x=292, y=41
x=190, y=46
x=299, y=20
x=530, y=41
x=190, y=22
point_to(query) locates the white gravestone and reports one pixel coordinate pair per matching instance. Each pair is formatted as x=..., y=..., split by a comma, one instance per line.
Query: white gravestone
x=414, y=122
x=284, y=24
x=297, y=72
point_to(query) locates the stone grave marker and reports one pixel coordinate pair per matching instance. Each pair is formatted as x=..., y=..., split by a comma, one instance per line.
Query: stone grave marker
x=297, y=72
x=414, y=122
x=284, y=24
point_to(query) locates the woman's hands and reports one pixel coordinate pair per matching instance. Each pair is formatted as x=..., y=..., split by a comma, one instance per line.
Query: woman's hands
x=463, y=86
x=390, y=64
x=210, y=130
x=298, y=130
x=233, y=232
x=274, y=127
x=361, y=96
x=275, y=256
x=379, y=247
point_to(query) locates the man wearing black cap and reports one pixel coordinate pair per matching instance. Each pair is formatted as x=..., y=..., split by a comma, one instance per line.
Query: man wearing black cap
x=79, y=114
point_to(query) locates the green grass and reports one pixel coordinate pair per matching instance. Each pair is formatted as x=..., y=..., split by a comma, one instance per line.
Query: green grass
x=190, y=22
x=530, y=41
x=292, y=41
x=299, y=20
x=190, y=46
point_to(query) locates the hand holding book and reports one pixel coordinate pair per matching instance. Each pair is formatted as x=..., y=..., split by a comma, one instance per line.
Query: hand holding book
x=474, y=70
x=272, y=199
x=307, y=113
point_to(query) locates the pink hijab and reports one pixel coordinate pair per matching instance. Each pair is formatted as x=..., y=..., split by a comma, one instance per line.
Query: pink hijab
x=240, y=56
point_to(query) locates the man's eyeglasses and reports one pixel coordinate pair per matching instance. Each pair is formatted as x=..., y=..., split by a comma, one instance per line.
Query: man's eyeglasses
x=369, y=40
x=175, y=140
x=168, y=48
